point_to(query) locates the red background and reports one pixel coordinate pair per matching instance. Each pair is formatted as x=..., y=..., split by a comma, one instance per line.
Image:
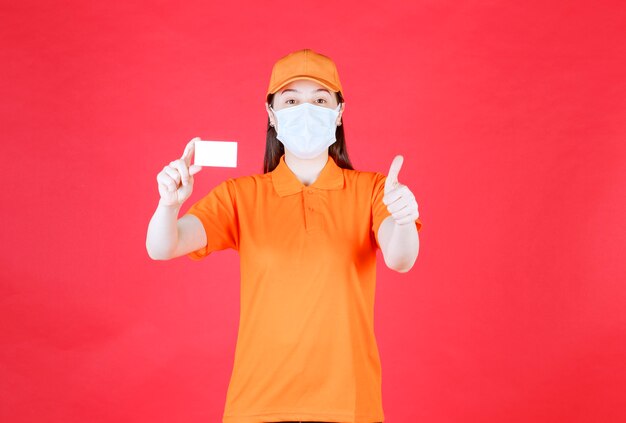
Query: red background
x=511, y=117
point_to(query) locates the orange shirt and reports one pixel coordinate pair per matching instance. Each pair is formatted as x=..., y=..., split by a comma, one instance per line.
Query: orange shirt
x=306, y=348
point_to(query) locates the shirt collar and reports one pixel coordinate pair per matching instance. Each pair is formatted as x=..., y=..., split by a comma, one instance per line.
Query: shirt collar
x=286, y=183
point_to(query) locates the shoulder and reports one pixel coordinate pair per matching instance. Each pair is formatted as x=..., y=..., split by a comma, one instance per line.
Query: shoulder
x=363, y=179
x=244, y=182
x=232, y=190
x=249, y=182
x=242, y=186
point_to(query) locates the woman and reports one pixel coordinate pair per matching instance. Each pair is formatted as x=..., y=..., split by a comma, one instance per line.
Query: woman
x=306, y=231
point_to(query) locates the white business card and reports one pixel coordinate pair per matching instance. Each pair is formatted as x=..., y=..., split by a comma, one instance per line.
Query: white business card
x=215, y=153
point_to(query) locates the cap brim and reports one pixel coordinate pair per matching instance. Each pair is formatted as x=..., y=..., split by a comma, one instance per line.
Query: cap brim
x=325, y=84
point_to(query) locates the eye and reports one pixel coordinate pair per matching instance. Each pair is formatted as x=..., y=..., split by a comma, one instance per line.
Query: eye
x=321, y=101
x=291, y=100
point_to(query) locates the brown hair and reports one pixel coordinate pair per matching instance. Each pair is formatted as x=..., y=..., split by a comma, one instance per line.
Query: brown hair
x=274, y=148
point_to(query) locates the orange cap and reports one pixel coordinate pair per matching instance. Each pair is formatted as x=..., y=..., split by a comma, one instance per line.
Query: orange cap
x=304, y=64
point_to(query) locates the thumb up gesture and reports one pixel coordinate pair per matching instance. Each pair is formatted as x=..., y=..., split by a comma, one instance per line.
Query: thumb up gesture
x=398, y=198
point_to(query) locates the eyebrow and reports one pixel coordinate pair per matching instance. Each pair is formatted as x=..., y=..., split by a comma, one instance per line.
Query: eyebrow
x=291, y=89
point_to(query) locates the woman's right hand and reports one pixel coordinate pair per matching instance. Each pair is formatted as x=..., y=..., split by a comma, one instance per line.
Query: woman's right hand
x=176, y=179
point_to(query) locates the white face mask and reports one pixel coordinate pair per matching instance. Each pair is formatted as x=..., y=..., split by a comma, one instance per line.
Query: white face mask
x=306, y=130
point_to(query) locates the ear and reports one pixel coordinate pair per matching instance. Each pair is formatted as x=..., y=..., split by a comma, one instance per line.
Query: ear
x=270, y=114
x=338, y=121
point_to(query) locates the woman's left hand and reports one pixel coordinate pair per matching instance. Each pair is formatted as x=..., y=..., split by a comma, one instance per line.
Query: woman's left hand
x=398, y=198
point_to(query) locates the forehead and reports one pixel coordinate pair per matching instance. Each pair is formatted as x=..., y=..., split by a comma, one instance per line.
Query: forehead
x=303, y=86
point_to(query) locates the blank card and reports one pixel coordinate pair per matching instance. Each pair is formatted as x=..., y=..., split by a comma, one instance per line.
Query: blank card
x=215, y=153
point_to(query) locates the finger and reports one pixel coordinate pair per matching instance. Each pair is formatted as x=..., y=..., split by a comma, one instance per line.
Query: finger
x=182, y=168
x=393, y=195
x=398, y=205
x=189, y=150
x=173, y=173
x=408, y=214
x=405, y=212
x=394, y=170
x=166, y=181
x=193, y=169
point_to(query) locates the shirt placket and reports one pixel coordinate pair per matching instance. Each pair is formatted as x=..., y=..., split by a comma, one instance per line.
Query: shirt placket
x=312, y=215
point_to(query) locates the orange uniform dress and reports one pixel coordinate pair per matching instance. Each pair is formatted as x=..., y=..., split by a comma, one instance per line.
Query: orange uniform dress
x=306, y=348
